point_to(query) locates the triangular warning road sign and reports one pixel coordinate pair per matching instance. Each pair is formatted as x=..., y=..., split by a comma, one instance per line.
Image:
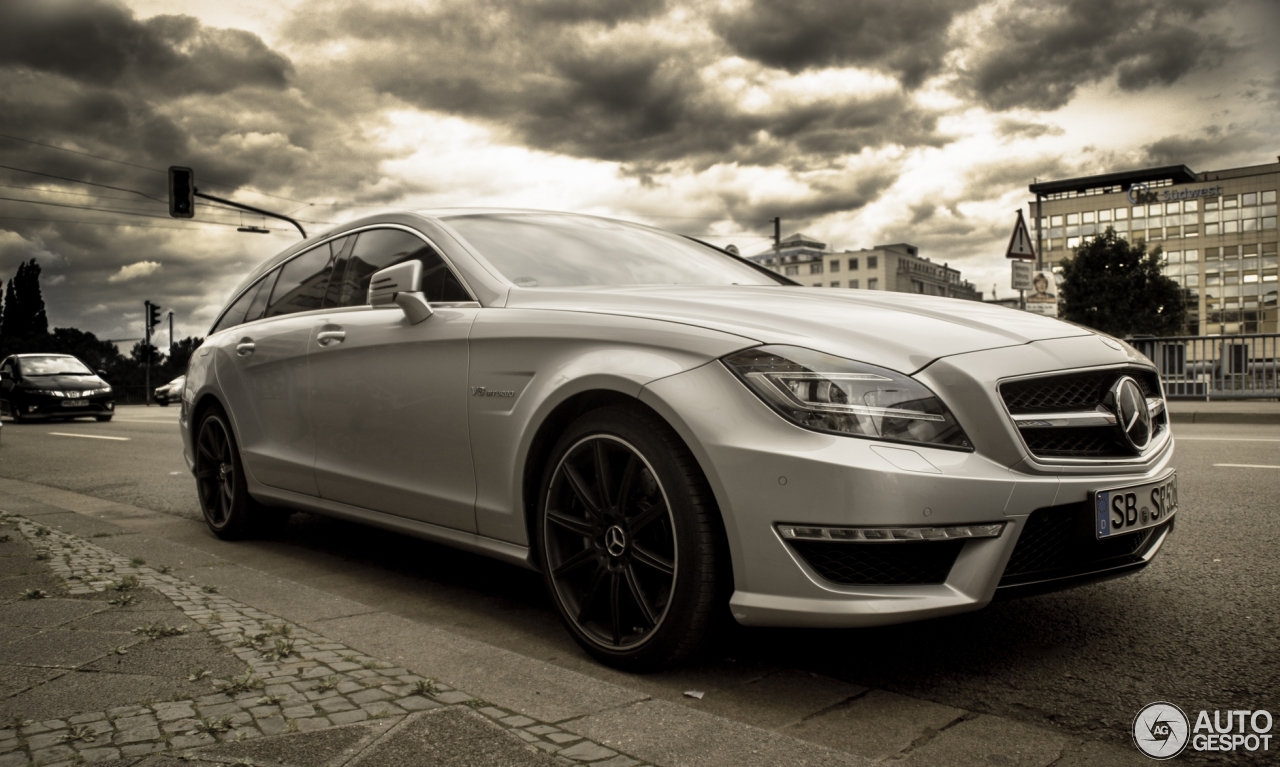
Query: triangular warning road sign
x=1020, y=243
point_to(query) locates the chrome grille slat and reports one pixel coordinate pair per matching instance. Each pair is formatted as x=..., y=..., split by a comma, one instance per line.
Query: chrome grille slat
x=1062, y=416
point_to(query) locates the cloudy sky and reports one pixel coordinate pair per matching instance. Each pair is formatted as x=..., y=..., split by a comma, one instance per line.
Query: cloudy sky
x=856, y=121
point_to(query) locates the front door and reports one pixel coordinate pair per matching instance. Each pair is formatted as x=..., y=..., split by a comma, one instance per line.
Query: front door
x=389, y=398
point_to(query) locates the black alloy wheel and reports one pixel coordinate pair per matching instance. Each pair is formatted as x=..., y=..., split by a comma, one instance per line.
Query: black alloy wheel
x=228, y=509
x=627, y=539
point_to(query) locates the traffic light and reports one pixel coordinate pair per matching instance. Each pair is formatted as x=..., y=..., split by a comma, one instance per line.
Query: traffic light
x=182, y=192
x=153, y=316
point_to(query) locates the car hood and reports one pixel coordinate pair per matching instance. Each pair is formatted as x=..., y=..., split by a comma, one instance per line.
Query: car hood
x=65, y=383
x=901, y=331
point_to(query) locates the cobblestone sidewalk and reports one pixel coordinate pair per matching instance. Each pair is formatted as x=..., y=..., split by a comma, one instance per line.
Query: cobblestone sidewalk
x=296, y=682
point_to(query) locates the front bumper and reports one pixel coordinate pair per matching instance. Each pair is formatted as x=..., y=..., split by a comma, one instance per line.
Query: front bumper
x=766, y=471
x=49, y=408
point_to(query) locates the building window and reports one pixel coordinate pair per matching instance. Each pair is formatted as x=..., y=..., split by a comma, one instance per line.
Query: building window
x=873, y=262
x=1073, y=242
x=853, y=264
x=1122, y=214
x=835, y=266
x=835, y=283
x=1104, y=215
x=1055, y=221
x=873, y=283
x=1139, y=211
x=815, y=268
x=1249, y=199
x=1210, y=229
x=1269, y=222
x=1087, y=217
x=793, y=270
x=1269, y=196
x=1230, y=202
x=853, y=284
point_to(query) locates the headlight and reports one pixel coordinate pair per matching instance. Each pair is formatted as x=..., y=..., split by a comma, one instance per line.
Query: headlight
x=840, y=396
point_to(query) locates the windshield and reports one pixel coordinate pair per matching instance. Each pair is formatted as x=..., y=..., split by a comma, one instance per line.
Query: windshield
x=560, y=250
x=52, y=366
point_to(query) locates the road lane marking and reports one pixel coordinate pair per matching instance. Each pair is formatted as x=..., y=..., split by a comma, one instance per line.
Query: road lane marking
x=145, y=420
x=1246, y=466
x=1227, y=439
x=88, y=436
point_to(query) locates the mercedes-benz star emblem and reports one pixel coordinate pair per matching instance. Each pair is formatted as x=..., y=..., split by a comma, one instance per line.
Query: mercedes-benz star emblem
x=615, y=541
x=1132, y=414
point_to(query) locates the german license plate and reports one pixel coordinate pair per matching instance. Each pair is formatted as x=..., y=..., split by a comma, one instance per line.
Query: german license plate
x=1136, y=507
x=75, y=402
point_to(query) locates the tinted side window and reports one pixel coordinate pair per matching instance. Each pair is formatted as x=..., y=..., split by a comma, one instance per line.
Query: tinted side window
x=380, y=248
x=259, y=303
x=302, y=283
x=235, y=314
x=341, y=250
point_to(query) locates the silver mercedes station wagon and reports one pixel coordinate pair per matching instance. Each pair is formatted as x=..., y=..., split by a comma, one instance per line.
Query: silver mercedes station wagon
x=664, y=430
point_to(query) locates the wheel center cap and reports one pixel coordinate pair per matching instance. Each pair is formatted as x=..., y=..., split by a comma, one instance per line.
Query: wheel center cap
x=615, y=541
x=223, y=470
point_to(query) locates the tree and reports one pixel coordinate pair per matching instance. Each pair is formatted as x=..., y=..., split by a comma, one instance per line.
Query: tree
x=1116, y=287
x=24, y=326
x=180, y=355
x=86, y=347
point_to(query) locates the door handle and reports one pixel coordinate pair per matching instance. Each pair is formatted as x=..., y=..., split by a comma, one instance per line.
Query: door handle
x=330, y=337
x=245, y=347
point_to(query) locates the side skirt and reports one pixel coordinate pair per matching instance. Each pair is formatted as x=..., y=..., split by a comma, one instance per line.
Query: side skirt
x=459, y=539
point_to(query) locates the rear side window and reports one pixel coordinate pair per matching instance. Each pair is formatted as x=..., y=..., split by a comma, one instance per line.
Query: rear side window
x=380, y=248
x=259, y=303
x=234, y=315
x=302, y=283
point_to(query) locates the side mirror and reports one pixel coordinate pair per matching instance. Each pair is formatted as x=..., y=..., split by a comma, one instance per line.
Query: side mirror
x=4, y=375
x=101, y=373
x=401, y=285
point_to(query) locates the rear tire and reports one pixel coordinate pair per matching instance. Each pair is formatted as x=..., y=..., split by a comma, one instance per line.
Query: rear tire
x=229, y=511
x=627, y=535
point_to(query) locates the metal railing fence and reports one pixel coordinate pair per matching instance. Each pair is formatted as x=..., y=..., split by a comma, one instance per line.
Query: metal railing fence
x=1216, y=367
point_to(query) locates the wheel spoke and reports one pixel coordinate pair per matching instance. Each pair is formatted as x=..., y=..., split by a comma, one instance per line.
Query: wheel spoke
x=638, y=595
x=588, y=601
x=204, y=473
x=615, y=606
x=206, y=452
x=573, y=524
x=574, y=562
x=602, y=473
x=579, y=488
x=647, y=515
x=628, y=479
x=649, y=559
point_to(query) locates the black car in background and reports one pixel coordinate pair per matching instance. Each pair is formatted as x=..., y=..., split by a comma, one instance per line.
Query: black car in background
x=49, y=386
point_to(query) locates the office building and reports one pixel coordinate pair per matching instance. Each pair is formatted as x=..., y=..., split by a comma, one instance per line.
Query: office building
x=896, y=267
x=1217, y=230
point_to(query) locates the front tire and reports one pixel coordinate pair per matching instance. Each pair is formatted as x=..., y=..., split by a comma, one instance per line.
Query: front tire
x=627, y=537
x=229, y=511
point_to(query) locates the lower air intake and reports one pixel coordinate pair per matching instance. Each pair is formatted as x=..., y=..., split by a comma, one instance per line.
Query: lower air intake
x=880, y=564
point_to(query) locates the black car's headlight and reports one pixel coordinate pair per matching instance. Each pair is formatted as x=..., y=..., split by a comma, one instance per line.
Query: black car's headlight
x=832, y=394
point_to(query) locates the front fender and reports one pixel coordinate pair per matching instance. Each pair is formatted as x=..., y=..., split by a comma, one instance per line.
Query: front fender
x=525, y=363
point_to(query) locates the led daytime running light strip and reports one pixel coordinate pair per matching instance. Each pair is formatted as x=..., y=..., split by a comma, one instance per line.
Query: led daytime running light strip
x=889, y=534
x=776, y=385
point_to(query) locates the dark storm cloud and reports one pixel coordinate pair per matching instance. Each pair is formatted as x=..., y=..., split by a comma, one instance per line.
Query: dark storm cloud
x=1037, y=53
x=1213, y=149
x=906, y=38
x=92, y=77
x=102, y=43
x=610, y=85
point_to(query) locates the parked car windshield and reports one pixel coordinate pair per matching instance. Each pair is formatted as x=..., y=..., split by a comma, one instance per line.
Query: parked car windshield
x=558, y=250
x=52, y=366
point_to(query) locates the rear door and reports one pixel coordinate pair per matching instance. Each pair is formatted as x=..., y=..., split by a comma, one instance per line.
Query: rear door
x=389, y=398
x=262, y=369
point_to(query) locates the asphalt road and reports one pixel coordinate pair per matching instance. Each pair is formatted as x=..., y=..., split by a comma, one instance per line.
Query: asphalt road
x=1198, y=627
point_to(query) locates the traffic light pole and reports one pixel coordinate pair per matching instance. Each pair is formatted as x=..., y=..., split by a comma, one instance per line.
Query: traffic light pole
x=146, y=349
x=252, y=209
